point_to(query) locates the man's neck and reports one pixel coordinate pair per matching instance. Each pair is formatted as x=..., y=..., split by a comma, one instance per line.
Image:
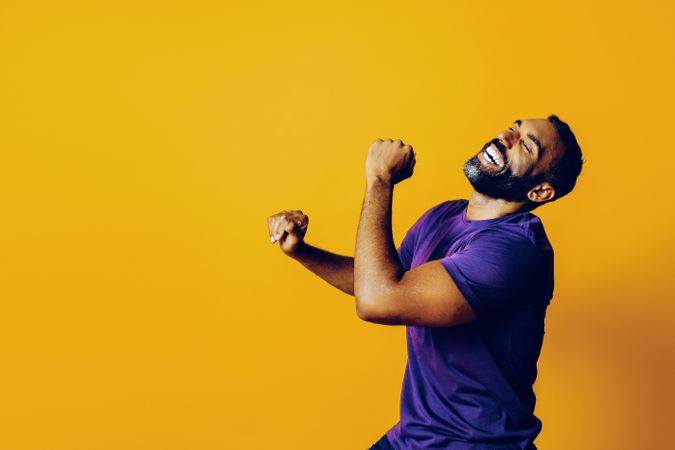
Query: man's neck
x=482, y=207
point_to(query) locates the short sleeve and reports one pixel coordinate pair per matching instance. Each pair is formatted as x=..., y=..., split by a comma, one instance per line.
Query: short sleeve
x=493, y=271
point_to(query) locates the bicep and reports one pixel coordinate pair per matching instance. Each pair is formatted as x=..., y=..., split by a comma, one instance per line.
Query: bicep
x=425, y=296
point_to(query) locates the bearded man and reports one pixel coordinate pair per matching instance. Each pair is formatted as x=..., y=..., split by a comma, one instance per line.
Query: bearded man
x=471, y=281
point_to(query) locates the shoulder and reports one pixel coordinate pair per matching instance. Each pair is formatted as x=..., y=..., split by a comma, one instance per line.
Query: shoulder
x=444, y=209
x=432, y=217
x=522, y=232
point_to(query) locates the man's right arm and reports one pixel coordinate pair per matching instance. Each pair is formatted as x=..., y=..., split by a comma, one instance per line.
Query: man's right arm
x=338, y=270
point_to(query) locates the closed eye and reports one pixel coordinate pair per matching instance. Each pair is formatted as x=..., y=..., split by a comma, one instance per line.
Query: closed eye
x=521, y=141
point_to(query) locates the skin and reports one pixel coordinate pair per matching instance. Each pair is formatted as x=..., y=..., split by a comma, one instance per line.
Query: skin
x=425, y=295
x=522, y=162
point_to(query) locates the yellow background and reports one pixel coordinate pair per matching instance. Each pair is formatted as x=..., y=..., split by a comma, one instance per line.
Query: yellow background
x=144, y=145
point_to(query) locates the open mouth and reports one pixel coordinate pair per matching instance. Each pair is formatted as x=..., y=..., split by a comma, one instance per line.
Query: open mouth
x=494, y=156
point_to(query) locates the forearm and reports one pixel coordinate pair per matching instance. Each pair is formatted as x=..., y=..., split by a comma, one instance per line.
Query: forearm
x=338, y=270
x=376, y=264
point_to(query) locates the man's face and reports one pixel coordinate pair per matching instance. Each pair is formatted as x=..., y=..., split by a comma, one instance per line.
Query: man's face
x=515, y=161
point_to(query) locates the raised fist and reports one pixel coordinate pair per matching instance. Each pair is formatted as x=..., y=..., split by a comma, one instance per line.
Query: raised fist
x=288, y=228
x=390, y=161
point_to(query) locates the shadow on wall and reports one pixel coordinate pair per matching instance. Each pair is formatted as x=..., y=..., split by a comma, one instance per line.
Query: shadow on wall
x=607, y=370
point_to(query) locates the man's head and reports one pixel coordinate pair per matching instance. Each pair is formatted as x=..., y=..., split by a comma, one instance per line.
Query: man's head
x=534, y=162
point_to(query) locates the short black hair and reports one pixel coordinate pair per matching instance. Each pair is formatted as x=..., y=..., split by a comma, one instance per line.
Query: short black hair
x=563, y=174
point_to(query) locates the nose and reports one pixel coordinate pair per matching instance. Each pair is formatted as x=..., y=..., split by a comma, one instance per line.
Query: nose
x=508, y=137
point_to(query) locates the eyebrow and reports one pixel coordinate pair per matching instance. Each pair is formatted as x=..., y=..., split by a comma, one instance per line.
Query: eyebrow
x=540, y=148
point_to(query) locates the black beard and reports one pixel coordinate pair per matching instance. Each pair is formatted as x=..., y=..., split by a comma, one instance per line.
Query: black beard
x=501, y=185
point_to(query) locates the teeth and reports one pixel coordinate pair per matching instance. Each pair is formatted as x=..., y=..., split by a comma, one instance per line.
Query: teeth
x=495, y=156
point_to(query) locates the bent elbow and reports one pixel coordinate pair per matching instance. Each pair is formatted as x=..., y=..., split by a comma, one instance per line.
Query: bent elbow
x=362, y=311
x=369, y=310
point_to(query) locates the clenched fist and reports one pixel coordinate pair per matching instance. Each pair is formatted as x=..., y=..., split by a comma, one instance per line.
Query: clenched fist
x=389, y=161
x=289, y=229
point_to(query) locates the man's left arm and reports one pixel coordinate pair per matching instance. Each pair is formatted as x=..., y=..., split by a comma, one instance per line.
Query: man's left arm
x=386, y=293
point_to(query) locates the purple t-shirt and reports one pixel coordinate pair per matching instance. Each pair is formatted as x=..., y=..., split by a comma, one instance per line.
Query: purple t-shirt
x=470, y=386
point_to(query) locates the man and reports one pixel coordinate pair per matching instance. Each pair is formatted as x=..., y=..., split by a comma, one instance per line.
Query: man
x=471, y=281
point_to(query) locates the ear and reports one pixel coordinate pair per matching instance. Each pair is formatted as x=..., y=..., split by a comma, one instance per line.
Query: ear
x=542, y=192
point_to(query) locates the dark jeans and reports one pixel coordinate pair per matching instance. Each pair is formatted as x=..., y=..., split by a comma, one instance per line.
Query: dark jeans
x=382, y=444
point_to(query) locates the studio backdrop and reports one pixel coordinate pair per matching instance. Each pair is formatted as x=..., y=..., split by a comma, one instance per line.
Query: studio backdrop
x=145, y=143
